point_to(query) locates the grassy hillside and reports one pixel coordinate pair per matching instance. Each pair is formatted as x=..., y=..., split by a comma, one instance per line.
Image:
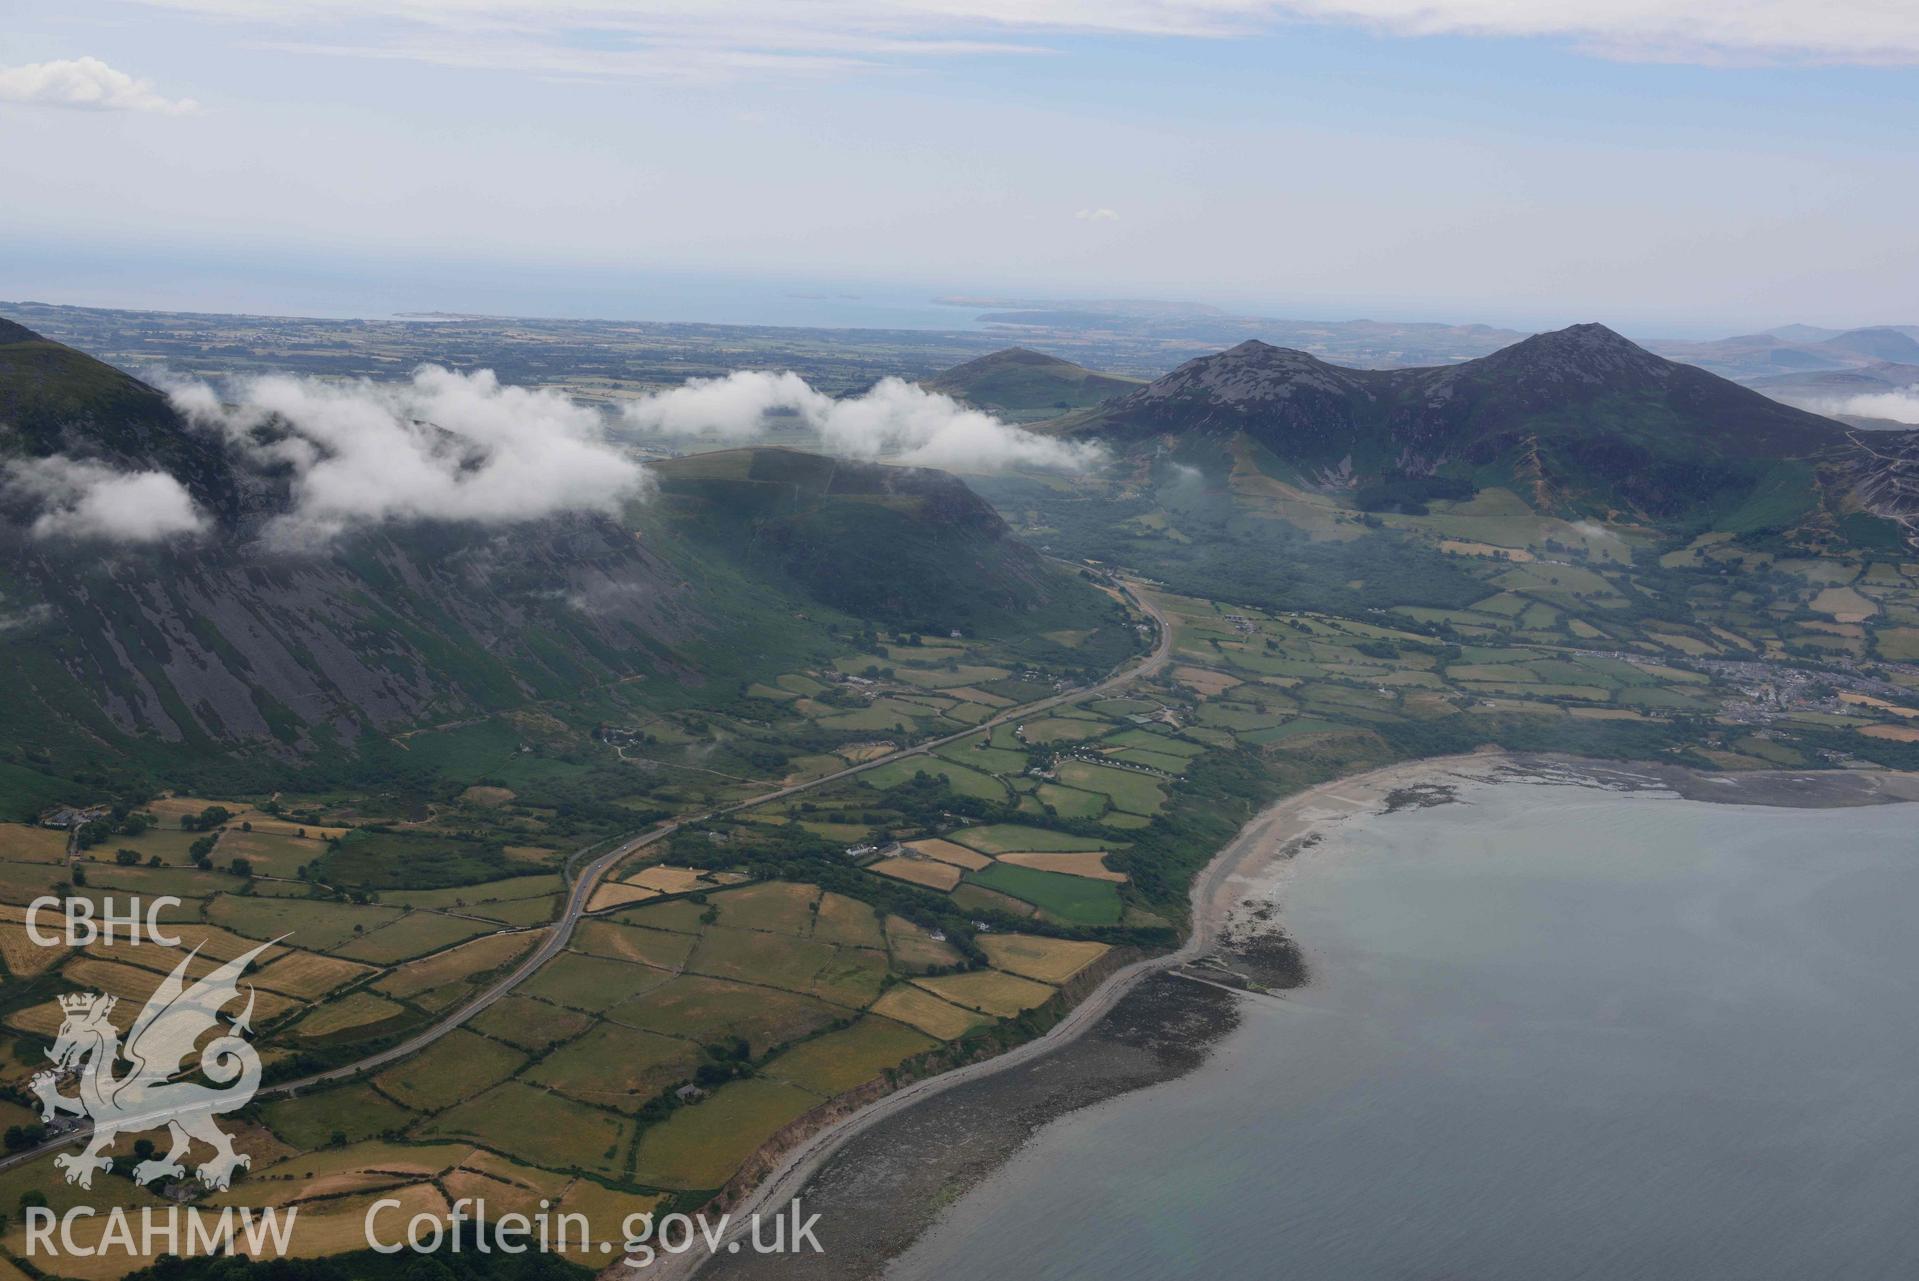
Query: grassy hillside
x=1021, y=384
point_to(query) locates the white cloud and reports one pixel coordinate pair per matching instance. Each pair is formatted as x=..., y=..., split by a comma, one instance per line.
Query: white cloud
x=1097, y=215
x=682, y=38
x=441, y=446
x=896, y=419
x=89, y=500
x=88, y=84
x=1901, y=406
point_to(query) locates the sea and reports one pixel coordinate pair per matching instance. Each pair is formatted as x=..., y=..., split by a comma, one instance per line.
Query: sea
x=1550, y=1032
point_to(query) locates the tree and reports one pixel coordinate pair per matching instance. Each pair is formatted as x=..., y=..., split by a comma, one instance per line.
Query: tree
x=242, y=867
x=126, y=857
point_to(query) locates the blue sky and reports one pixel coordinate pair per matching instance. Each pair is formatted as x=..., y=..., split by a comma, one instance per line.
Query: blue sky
x=1711, y=166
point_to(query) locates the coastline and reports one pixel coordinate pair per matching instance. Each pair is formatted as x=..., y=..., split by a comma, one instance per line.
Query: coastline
x=1143, y=1024
x=1254, y=858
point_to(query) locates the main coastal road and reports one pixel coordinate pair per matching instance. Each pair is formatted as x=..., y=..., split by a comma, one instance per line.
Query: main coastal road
x=560, y=933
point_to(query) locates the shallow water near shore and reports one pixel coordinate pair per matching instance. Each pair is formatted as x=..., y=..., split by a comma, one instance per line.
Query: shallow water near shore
x=1551, y=1032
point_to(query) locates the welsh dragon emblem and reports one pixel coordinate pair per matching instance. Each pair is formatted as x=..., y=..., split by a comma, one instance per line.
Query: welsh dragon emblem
x=147, y=1095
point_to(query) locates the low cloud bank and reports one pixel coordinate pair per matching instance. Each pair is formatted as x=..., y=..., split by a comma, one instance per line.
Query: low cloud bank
x=88, y=500
x=1901, y=406
x=896, y=419
x=87, y=84
x=441, y=446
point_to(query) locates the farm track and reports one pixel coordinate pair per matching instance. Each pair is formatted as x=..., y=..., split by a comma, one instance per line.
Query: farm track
x=560, y=933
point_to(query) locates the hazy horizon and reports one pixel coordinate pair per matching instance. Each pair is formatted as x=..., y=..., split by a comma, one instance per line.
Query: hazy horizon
x=1313, y=158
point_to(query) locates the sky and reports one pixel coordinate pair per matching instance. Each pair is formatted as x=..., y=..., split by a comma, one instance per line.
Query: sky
x=1667, y=166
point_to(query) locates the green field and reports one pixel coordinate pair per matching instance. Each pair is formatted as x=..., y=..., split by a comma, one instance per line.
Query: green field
x=1129, y=790
x=702, y=1145
x=707, y=1009
x=454, y=1068
x=353, y=1111
x=1072, y=899
x=616, y=1067
x=530, y=1124
x=1000, y=838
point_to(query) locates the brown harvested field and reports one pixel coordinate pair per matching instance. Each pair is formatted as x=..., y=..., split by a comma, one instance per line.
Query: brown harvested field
x=920, y=1009
x=614, y=894
x=132, y=984
x=310, y=974
x=948, y=852
x=415, y=934
x=617, y=1067
x=23, y=956
x=779, y=906
x=702, y=1145
x=662, y=949
x=273, y=853
x=350, y=1013
x=486, y=797
x=989, y=991
x=21, y=843
x=1033, y=957
x=606, y=1211
x=469, y=960
x=592, y=983
x=339, y=1226
x=454, y=1068
x=1090, y=864
x=539, y=1126
x=842, y=1060
x=668, y=880
x=916, y=951
x=938, y=876
x=1204, y=683
x=1892, y=733
x=980, y=696
x=707, y=1009
x=530, y=1024
x=169, y=810
x=847, y=921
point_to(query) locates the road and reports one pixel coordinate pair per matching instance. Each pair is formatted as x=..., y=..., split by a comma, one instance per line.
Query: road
x=560, y=933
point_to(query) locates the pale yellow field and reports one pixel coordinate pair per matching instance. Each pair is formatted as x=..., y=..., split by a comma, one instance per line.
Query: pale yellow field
x=1465, y=548
x=23, y=956
x=614, y=894
x=989, y=991
x=1892, y=733
x=1866, y=700
x=667, y=880
x=310, y=974
x=356, y=1009
x=1046, y=959
x=939, y=876
x=1090, y=864
x=1204, y=683
x=948, y=852
x=922, y=1010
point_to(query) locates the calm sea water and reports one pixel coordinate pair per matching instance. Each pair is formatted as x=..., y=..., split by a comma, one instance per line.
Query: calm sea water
x=1552, y=1033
